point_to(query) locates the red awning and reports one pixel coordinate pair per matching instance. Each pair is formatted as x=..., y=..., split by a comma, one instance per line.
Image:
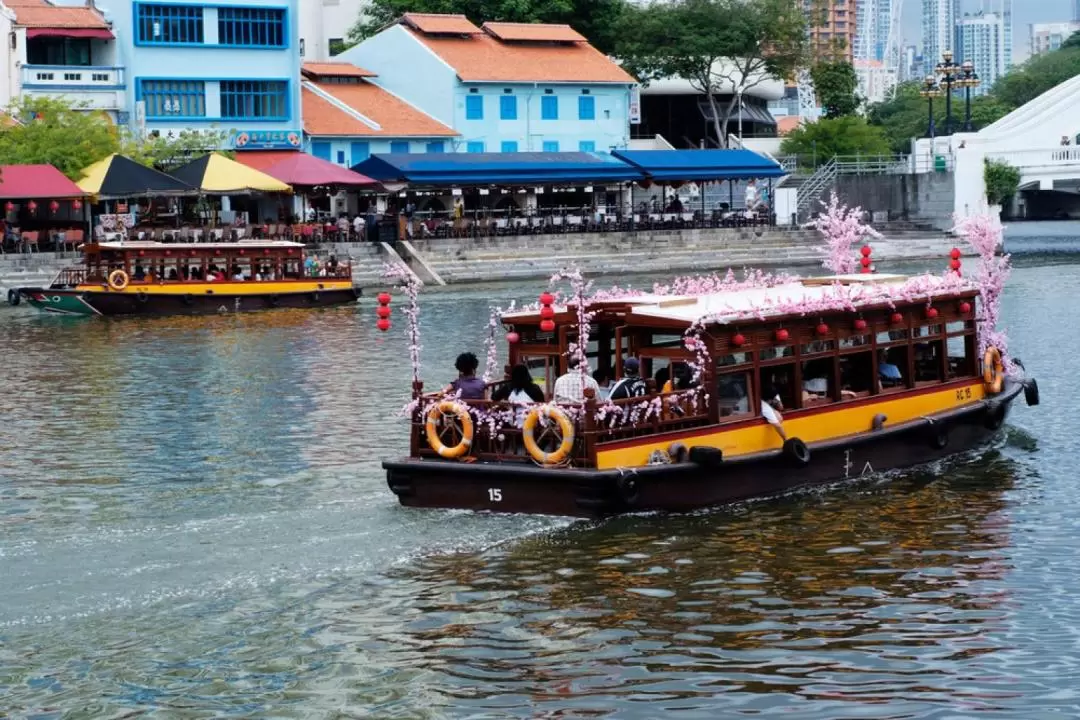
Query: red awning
x=301, y=169
x=21, y=182
x=98, y=33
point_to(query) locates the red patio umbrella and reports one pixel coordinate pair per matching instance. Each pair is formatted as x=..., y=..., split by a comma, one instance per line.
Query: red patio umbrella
x=303, y=170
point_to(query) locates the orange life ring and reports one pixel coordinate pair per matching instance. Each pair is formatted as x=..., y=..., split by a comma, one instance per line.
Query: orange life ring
x=566, y=427
x=431, y=427
x=118, y=279
x=993, y=370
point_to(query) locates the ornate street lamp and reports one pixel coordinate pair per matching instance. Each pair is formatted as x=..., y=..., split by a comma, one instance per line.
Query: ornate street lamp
x=930, y=90
x=949, y=72
x=968, y=79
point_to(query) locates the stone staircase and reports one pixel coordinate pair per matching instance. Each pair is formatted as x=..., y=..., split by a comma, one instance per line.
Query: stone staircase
x=367, y=261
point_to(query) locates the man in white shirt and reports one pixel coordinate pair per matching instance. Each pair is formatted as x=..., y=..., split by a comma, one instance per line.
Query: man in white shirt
x=751, y=195
x=771, y=405
x=570, y=388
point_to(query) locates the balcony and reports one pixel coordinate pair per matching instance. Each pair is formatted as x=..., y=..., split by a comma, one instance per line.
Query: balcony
x=97, y=87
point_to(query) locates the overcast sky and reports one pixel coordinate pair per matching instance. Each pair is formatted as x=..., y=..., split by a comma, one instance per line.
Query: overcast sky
x=1025, y=12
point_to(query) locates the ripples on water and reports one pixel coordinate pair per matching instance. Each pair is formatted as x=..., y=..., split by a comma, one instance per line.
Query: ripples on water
x=193, y=522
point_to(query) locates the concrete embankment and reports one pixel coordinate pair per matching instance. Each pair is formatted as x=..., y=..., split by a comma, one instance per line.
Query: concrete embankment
x=464, y=260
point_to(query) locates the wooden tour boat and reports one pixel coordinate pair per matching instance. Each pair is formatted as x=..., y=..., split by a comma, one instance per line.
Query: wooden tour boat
x=867, y=382
x=153, y=278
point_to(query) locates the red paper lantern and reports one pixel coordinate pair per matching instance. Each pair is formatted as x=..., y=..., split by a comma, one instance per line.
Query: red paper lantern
x=289, y=251
x=931, y=313
x=142, y=253
x=546, y=298
x=896, y=318
x=31, y=206
x=9, y=206
x=955, y=253
x=266, y=251
x=955, y=265
x=547, y=312
x=512, y=337
x=965, y=307
x=242, y=251
x=168, y=253
x=383, y=311
x=76, y=204
x=54, y=206
x=865, y=251
x=738, y=340
x=383, y=324
x=384, y=298
x=860, y=324
x=547, y=325
x=782, y=335
x=193, y=253
x=822, y=329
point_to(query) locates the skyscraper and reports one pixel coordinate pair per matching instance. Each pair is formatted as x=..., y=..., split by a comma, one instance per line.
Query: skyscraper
x=1045, y=37
x=939, y=28
x=981, y=39
x=872, y=18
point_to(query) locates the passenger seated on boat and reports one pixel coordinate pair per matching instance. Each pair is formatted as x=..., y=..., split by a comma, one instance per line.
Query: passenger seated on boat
x=570, y=387
x=663, y=379
x=172, y=274
x=631, y=385
x=771, y=405
x=888, y=373
x=734, y=399
x=603, y=381
x=467, y=384
x=139, y=274
x=520, y=390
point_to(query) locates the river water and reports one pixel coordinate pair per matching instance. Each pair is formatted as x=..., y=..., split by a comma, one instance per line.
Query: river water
x=193, y=523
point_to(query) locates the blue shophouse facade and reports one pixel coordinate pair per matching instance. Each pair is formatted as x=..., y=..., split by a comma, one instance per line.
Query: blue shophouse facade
x=231, y=65
x=496, y=97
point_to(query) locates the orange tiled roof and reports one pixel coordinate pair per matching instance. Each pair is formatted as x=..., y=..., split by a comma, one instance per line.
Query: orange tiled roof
x=787, y=123
x=433, y=23
x=334, y=69
x=537, y=32
x=49, y=16
x=480, y=58
x=396, y=117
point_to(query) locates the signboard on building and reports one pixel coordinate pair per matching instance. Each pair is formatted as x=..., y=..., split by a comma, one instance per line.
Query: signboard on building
x=635, y=105
x=265, y=139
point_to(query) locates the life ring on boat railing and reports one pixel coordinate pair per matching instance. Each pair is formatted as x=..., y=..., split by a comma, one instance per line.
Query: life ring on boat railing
x=457, y=413
x=118, y=279
x=797, y=451
x=993, y=370
x=678, y=452
x=566, y=431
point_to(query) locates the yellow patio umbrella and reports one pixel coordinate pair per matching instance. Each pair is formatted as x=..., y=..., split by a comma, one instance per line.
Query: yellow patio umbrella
x=216, y=174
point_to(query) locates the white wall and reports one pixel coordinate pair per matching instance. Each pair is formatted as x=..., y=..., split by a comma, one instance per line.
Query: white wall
x=323, y=20
x=9, y=76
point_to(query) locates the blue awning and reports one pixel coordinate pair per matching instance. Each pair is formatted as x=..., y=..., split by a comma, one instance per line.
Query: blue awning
x=471, y=169
x=696, y=165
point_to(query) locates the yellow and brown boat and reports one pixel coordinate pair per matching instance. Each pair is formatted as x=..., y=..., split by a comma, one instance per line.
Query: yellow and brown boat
x=152, y=278
x=799, y=383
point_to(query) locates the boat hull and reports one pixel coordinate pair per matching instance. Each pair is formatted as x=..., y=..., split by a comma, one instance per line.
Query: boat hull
x=80, y=302
x=526, y=488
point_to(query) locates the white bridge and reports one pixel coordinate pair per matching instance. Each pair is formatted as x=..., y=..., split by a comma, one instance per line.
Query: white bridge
x=1029, y=138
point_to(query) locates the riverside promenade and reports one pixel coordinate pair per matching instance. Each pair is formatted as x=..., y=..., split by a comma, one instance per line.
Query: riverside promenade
x=456, y=261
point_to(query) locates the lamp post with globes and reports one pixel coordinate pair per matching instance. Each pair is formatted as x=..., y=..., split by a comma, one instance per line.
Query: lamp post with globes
x=930, y=90
x=950, y=74
x=968, y=79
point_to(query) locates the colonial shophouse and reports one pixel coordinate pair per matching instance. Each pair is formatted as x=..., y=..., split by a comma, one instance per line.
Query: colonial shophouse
x=503, y=87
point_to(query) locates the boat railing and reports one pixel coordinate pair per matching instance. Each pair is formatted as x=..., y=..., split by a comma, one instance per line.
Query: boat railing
x=69, y=277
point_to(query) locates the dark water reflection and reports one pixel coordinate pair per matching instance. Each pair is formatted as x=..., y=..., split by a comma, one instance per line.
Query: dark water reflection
x=193, y=524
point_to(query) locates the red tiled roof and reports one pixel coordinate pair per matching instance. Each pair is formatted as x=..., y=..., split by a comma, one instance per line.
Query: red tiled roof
x=395, y=117
x=35, y=181
x=334, y=69
x=787, y=123
x=535, y=32
x=49, y=16
x=482, y=58
x=434, y=23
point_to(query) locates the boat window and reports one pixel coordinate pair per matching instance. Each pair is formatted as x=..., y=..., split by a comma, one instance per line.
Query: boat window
x=819, y=381
x=854, y=341
x=659, y=340
x=777, y=353
x=890, y=336
x=893, y=366
x=926, y=331
x=728, y=361
x=733, y=381
x=928, y=363
x=956, y=327
x=961, y=353
x=779, y=380
x=818, y=346
x=856, y=375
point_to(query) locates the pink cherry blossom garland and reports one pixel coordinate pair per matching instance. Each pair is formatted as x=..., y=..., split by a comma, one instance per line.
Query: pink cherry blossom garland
x=984, y=234
x=843, y=228
x=408, y=282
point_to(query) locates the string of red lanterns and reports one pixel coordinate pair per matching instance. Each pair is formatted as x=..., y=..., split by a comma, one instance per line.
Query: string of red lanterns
x=383, y=312
x=954, y=262
x=547, y=312
x=866, y=261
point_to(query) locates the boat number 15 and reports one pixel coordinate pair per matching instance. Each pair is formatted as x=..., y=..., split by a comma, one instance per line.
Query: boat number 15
x=964, y=394
x=494, y=494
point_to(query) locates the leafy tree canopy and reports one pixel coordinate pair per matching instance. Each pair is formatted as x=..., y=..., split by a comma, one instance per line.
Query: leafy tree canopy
x=906, y=116
x=597, y=20
x=836, y=83
x=818, y=142
x=718, y=46
x=1037, y=75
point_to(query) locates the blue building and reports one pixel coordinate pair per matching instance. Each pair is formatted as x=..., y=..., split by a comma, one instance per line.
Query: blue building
x=225, y=64
x=505, y=87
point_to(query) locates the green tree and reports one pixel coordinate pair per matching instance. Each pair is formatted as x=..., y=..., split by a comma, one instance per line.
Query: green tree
x=906, y=115
x=1037, y=75
x=53, y=132
x=171, y=150
x=1073, y=41
x=597, y=20
x=835, y=84
x=818, y=142
x=721, y=47
x=1002, y=181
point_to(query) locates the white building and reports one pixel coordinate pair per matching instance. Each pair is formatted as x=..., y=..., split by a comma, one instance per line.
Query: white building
x=875, y=80
x=981, y=40
x=872, y=19
x=1045, y=37
x=324, y=26
x=938, y=28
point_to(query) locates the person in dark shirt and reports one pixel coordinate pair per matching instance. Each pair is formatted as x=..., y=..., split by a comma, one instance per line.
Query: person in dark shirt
x=631, y=385
x=467, y=384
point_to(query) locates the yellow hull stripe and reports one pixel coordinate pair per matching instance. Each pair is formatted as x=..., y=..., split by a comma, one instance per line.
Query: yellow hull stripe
x=227, y=287
x=845, y=420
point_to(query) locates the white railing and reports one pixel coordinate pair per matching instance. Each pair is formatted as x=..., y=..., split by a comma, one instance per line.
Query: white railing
x=72, y=76
x=1048, y=157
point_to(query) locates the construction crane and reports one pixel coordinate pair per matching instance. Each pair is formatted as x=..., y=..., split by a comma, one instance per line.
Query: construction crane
x=894, y=52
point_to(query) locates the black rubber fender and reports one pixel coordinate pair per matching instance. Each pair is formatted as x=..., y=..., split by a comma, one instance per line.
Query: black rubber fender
x=627, y=487
x=797, y=452
x=995, y=416
x=938, y=435
x=13, y=297
x=187, y=299
x=678, y=452
x=706, y=456
x=1031, y=392
x=141, y=296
